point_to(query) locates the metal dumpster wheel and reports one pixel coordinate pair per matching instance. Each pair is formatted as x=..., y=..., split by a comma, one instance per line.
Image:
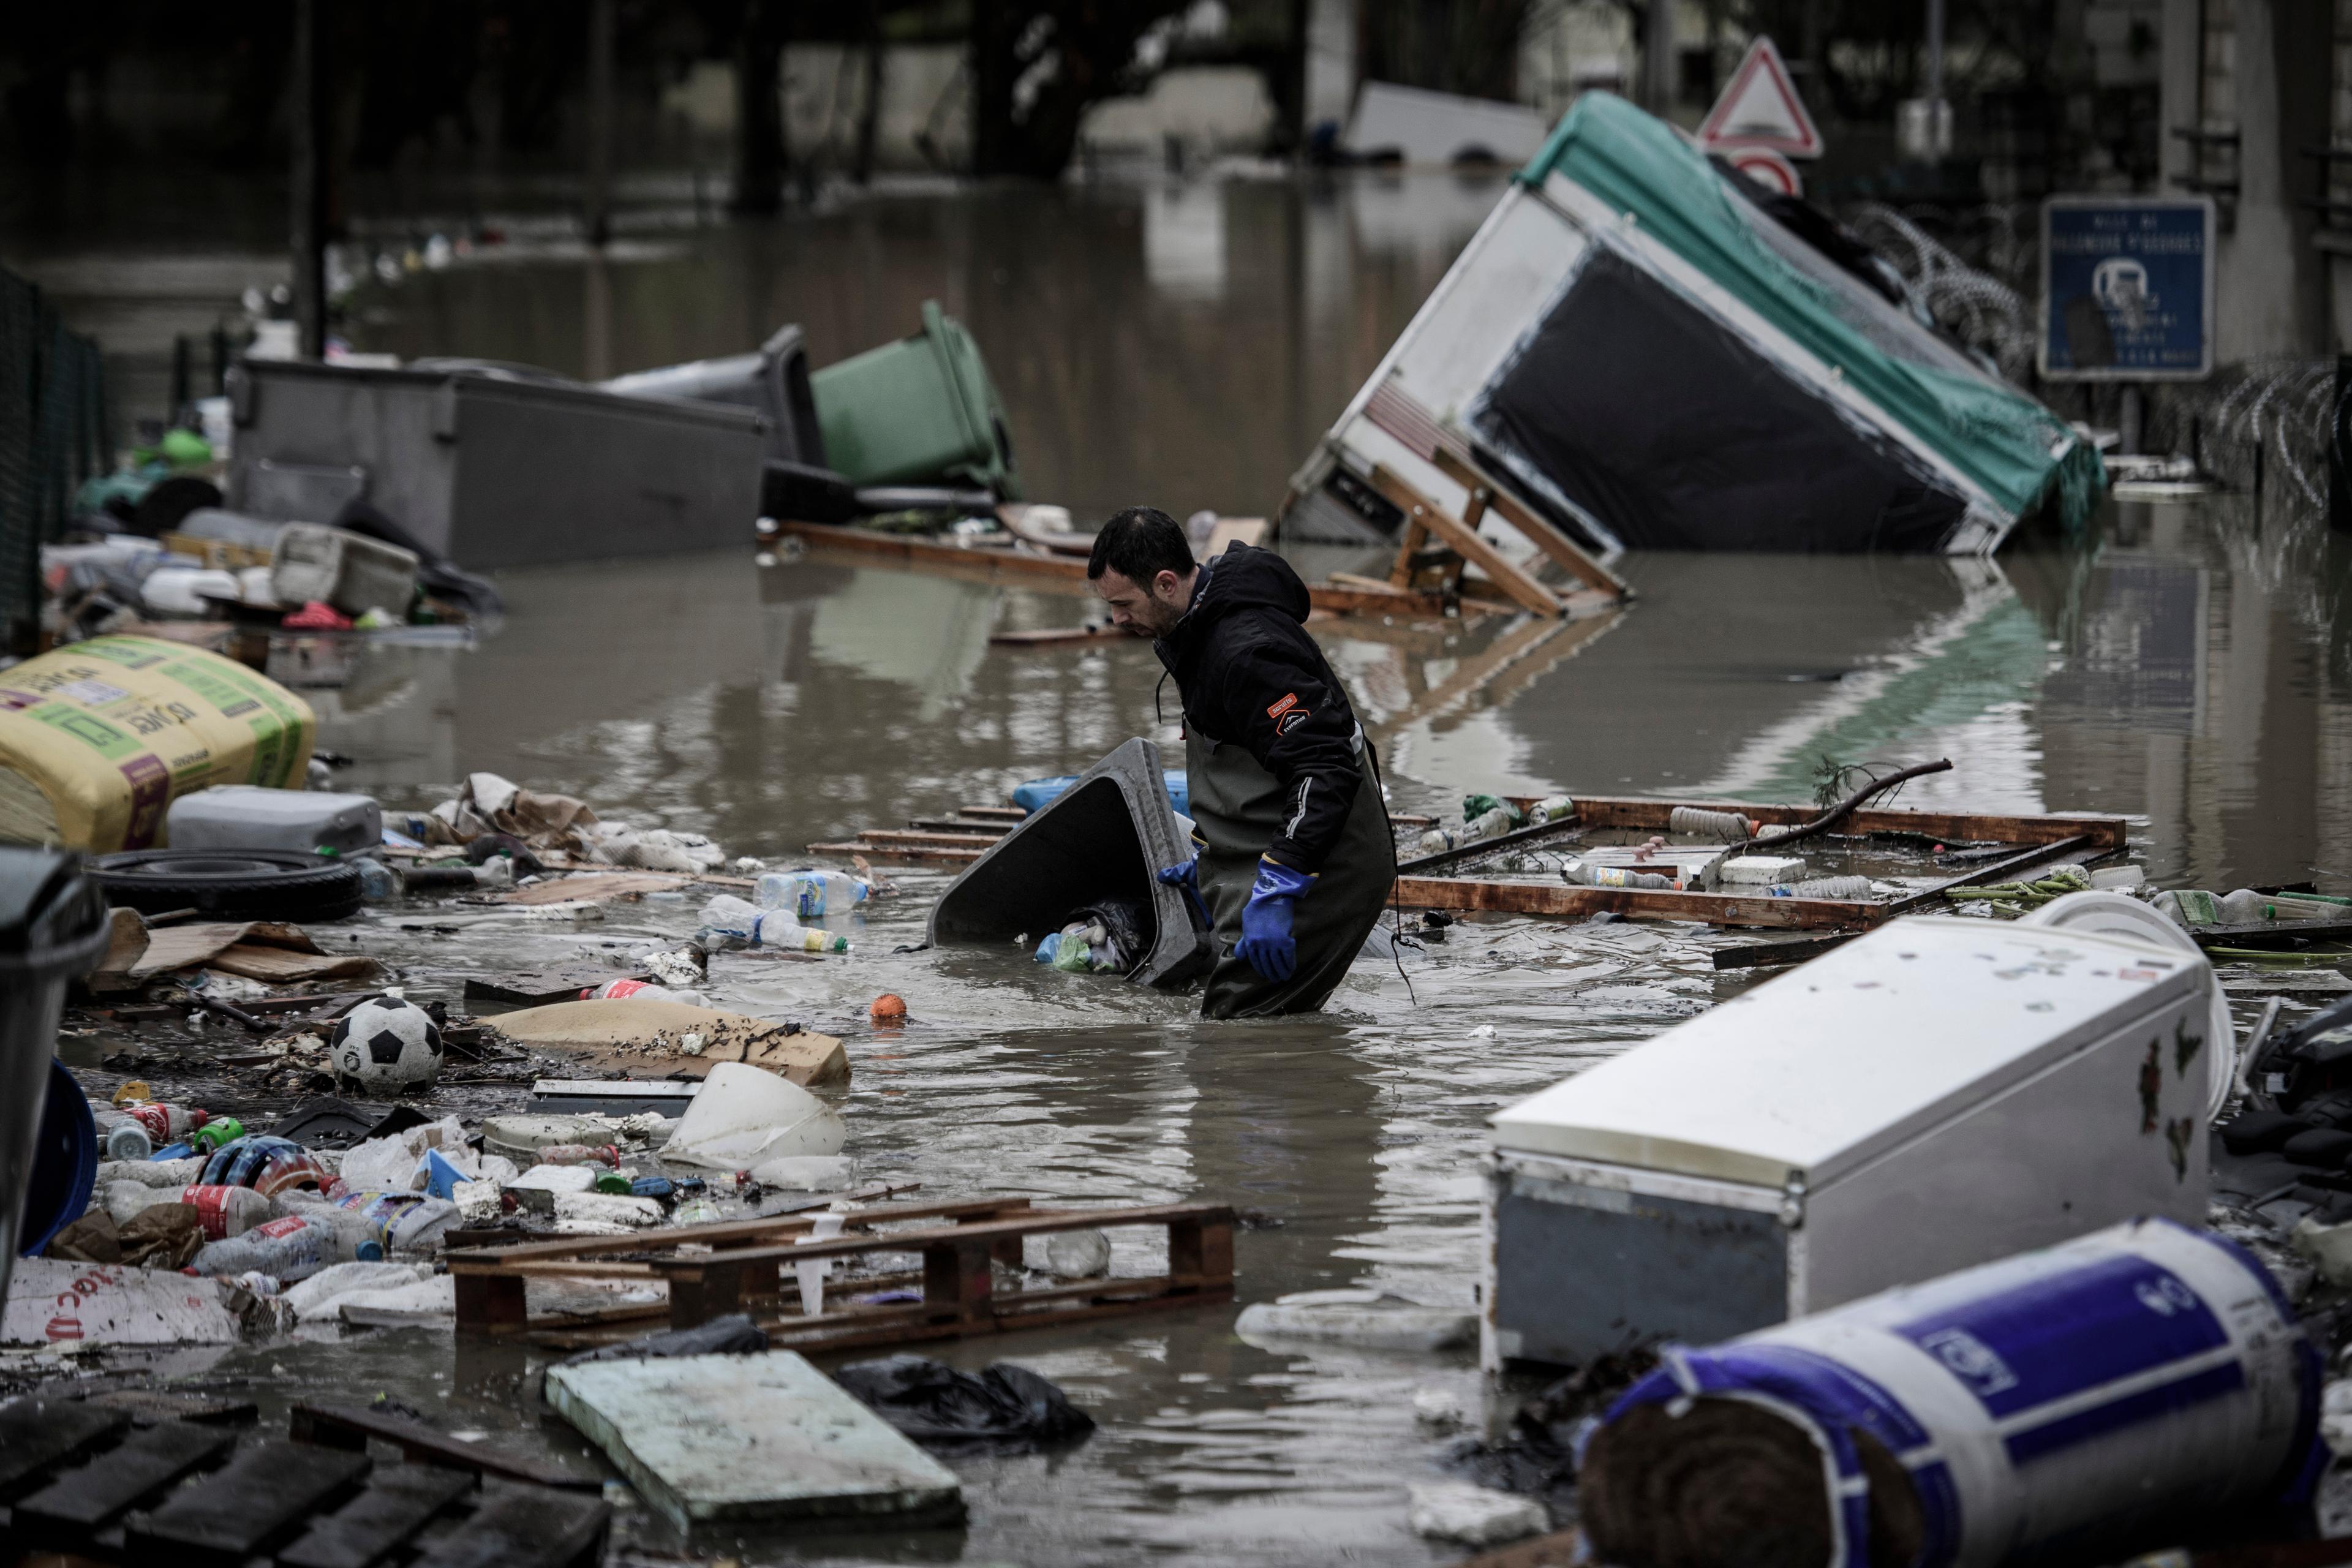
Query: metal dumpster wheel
x=231, y=884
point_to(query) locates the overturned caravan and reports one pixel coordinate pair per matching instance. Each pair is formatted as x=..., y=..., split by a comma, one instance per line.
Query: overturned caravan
x=1634, y=348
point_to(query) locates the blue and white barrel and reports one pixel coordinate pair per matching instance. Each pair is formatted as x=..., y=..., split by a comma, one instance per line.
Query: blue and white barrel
x=2140, y=1376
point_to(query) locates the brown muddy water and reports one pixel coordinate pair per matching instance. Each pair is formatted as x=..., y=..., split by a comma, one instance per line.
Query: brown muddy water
x=1183, y=346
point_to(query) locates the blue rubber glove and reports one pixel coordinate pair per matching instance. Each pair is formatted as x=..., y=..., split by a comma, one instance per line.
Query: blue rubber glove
x=1266, y=944
x=1186, y=879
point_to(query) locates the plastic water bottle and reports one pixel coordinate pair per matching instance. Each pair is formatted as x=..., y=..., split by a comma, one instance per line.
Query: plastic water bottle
x=224, y=1212
x=810, y=895
x=398, y=1222
x=698, y=1209
x=1487, y=824
x=291, y=1249
x=1592, y=876
x=125, y=1138
x=730, y=922
x=377, y=882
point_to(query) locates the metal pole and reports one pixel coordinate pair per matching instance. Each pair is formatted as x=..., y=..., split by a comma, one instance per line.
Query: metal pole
x=2339, y=451
x=1658, y=61
x=600, y=23
x=1935, y=50
x=310, y=131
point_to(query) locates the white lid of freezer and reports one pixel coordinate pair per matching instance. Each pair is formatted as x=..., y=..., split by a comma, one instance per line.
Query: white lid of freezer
x=1832, y=1063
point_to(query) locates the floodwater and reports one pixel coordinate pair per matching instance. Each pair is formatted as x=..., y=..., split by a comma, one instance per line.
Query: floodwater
x=2165, y=669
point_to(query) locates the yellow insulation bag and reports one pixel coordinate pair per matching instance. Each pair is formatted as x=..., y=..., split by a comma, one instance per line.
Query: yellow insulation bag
x=98, y=737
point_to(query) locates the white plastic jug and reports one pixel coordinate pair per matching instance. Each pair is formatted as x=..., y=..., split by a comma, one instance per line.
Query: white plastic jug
x=746, y=1116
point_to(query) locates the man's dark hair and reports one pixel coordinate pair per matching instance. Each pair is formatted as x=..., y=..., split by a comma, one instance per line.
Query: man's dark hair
x=1139, y=545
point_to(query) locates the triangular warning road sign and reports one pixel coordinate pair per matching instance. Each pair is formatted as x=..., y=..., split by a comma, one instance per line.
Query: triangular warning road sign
x=1760, y=109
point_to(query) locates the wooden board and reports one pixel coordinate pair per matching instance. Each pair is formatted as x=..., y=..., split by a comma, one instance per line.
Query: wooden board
x=2282, y=934
x=1563, y=551
x=1651, y=814
x=707, y=1440
x=350, y=1428
x=258, y=1500
x=1505, y=574
x=399, y=1501
x=1567, y=902
x=142, y=1465
x=38, y=1433
x=526, y=1527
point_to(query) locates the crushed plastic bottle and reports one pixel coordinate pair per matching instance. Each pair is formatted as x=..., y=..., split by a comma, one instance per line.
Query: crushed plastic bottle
x=1846, y=887
x=126, y=1139
x=612, y=989
x=291, y=1249
x=810, y=895
x=729, y=923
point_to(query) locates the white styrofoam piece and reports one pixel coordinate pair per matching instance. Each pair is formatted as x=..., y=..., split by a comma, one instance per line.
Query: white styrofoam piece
x=712, y=1438
x=1367, y=1319
x=1473, y=1515
x=1845, y=1058
x=52, y=1301
x=1765, y=868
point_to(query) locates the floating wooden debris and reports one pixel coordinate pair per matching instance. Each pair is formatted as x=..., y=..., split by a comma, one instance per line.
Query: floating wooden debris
x=732, y=1266
x=1461, y=596
x=92, y=1483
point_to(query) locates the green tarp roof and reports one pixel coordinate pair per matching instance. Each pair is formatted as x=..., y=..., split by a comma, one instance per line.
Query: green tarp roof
x=2008, y=444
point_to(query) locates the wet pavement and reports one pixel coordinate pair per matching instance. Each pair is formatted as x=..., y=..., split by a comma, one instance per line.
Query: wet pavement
x=2162, y=669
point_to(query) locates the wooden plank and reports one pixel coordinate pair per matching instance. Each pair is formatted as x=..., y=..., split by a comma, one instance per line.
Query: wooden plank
x=2105, y=832
x=956, y=825
x=526, y=1527
x=400, y=1500
x=39, y=1432
x=145, y=1407
x=350, y=1428
x=1540, y=533
x=930, y=839
x=1054, y=637
x=1035, y=1223
x=721, y=1232
x=899, y=854
x=1506, y=575
x=1568, y=901
x=144, y=1464
x=256, y=1501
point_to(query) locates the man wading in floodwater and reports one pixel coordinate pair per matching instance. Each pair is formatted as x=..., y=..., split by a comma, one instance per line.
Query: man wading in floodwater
x=1293, y=856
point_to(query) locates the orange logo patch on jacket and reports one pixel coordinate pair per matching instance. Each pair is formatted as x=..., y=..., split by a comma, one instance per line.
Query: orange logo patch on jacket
x=1289, y=701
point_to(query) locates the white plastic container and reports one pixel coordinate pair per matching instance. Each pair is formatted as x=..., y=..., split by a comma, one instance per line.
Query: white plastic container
x=747, y=1116
x=349, y=571
x=2075, y=1401
x=247, y=816
x=183, y=590
x=1934, y=1095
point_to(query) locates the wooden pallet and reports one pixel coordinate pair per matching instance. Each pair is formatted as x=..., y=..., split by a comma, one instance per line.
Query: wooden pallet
x=737, y=1266
x=97, y=1482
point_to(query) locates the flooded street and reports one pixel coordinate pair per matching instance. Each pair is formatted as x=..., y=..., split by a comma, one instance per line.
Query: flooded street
x=1184, y=346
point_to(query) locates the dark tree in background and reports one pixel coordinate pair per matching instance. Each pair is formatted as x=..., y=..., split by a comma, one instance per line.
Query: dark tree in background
x=1469, y=47
x=1036, y=69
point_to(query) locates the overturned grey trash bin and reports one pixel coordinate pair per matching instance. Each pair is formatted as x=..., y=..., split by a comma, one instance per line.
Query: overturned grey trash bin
x=1105, y=837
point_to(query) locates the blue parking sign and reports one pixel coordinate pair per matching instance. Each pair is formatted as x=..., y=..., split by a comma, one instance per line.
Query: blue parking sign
x=2127, y=288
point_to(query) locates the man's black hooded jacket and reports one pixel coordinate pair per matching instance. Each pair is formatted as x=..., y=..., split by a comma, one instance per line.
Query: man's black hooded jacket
x=1251, y=676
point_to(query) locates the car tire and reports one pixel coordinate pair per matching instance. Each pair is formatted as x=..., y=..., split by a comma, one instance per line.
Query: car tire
x=231, y=884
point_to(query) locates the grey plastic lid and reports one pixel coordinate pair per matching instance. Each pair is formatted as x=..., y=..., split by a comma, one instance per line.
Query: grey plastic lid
x=51, y=916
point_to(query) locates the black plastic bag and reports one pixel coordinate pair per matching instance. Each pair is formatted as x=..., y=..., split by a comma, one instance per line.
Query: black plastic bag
x=931, y=1402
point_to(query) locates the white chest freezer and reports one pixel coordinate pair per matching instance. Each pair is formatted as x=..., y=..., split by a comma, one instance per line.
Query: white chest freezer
x=1939, y=1093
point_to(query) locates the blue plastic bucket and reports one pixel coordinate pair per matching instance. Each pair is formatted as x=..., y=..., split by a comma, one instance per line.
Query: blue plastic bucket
x=65, y=1163
x=2144, y=1377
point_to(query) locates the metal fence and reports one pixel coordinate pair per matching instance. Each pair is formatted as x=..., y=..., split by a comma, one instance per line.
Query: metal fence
x=56, y=431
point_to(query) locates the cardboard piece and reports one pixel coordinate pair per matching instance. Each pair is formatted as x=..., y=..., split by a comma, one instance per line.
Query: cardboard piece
x=645, y=1036
x=268, y=951
x=53, y=1301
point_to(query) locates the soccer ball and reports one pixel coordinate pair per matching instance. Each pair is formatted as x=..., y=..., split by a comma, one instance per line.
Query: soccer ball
x=386, y=1043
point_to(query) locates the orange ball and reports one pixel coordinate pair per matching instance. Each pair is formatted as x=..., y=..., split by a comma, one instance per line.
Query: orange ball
x=888, y=1008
